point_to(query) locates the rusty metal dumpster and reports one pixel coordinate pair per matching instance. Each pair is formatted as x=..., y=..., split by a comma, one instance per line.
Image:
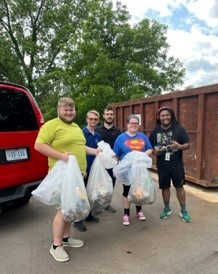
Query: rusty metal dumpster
x=197, y=110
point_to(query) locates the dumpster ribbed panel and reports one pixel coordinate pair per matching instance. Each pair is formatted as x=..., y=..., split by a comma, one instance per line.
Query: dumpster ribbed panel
x=197, y=110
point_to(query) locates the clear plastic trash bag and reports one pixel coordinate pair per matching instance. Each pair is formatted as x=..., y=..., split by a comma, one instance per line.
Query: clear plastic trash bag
x=132, y=170
x=142, y=188
x=64, y=187
x=107, y=155
x=50, y=188
x=99, y=187
x=122, y=170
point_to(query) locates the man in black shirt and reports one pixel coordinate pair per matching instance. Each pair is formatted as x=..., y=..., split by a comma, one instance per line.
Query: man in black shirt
x=169, y=139
x=109, y=133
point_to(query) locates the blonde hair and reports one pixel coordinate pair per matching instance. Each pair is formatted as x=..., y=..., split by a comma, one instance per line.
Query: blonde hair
x=93, y=112
x=66, y=101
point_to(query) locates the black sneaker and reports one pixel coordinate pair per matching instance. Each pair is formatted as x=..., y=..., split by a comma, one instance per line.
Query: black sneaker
x=92, y=219
x=80, y=226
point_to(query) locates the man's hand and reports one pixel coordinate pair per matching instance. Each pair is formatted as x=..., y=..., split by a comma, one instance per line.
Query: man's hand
x=158, y=150
x=98, y=150
x=65, y=156
x=174, y=145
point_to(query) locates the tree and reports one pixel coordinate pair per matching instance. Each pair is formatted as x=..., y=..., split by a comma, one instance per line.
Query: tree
x=8, y=63
x=36, y=32
x=112, y=57
x=86, y=50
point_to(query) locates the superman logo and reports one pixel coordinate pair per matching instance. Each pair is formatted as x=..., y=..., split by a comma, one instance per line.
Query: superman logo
x=135, y=144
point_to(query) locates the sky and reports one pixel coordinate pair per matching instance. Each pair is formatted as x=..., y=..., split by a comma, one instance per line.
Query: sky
x=192, y=34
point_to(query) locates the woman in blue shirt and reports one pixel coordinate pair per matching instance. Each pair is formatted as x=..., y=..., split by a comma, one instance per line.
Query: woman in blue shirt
x=131, y=140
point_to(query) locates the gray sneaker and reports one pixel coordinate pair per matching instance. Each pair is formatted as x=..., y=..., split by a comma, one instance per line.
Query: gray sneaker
x=59, y=254
x=73, y=242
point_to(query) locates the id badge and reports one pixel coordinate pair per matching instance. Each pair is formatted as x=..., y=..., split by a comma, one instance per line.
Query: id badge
x=167, y=156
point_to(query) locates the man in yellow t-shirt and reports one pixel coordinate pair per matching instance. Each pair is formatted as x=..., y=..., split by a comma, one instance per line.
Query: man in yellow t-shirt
x=64, y=137
x=57, y=139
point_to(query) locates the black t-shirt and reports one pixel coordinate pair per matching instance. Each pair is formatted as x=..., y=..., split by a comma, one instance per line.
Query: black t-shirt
x=108, y=135
x=163, y=137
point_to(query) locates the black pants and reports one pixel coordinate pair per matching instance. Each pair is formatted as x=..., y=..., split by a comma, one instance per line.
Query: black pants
x=126, y=190
x=110, y=172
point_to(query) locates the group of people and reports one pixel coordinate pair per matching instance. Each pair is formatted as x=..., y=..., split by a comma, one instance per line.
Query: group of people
x=60, y=137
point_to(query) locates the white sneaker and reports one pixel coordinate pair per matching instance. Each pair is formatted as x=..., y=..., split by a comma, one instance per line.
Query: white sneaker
x=126, y=220
x=73, y=242
x=140, y=215
x=59, y=254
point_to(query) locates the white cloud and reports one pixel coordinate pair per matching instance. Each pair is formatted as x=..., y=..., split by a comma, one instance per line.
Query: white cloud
x=138, y=8
x=205, y=10
x=196, y=47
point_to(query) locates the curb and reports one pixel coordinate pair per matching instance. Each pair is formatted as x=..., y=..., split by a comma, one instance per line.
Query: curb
x=205, y=194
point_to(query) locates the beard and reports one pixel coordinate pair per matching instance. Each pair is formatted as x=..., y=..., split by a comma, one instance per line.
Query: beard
x=110, y=122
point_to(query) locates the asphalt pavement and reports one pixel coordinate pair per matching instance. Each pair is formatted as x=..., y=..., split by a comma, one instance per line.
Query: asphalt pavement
x=154, y=246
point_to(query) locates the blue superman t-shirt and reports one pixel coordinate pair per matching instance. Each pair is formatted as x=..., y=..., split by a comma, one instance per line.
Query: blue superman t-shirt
x=125, y=143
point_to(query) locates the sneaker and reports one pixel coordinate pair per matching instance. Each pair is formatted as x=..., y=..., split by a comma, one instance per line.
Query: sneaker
x=185, y=216
x=165, y=213
x=80, y=226
x=59, y=254
x=73, y=242
x=92, y=219
x=140, y=215
x=126, y=220
x=110, y=209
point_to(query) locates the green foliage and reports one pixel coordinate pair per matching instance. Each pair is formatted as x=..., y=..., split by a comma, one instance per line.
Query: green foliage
x=189, y=87
x=9, y=69
x=95, y=98
x=37, y=32
x=83, y=49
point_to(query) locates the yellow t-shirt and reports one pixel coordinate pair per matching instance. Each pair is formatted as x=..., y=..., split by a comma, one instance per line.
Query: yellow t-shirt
x=65, y=138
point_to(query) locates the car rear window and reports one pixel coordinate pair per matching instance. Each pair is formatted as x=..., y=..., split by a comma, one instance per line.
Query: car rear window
x=16, y=112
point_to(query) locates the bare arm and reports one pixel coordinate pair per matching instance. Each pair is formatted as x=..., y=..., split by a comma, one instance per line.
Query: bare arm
x=50, y=152
x=179, y=146
x=149, y=152
x=158, y=150
x=92, y=151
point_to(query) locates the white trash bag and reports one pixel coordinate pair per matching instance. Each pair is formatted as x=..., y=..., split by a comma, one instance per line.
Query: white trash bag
x=99, y=187
x=64, y=186
x=132, y=171
x=122, y=170
x=142, y=189
x=107, y=155
x=50, y=188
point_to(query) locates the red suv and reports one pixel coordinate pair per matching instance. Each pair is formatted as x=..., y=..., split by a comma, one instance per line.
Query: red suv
x=21, y=167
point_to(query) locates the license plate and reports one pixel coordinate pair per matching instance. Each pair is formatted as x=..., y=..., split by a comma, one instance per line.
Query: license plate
x=16, y=154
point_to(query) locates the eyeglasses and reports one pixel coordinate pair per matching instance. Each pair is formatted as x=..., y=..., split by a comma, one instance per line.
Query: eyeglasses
x=134, y=124
x=93, y=119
